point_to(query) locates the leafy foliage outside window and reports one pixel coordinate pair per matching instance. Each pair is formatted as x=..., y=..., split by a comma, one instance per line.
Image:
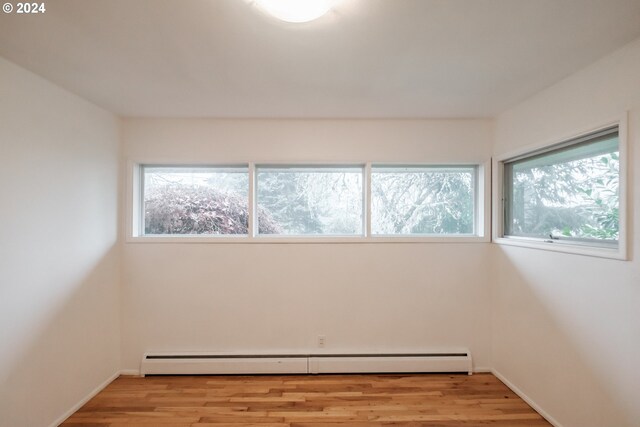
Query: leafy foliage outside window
x=311, y=200
x=569, y=194
x=422, y=200
x=198, y=201
x=305, y=200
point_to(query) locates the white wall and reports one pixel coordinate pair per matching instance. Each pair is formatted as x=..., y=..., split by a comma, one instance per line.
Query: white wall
x=566, y=328
x=59, y=280
x=266, y=297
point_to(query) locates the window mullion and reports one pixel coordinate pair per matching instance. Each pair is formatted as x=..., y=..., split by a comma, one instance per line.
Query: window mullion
x=367, y=200
x=252, y=225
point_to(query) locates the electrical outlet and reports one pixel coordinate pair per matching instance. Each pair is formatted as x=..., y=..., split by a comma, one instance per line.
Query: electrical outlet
x=321, y=340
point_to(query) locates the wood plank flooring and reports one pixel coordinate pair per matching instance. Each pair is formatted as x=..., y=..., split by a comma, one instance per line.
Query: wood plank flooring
x=306, y=401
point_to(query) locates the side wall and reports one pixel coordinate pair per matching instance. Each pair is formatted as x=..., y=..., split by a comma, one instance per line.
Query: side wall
x=271, y=297
x=59, y=266
x=566, y=328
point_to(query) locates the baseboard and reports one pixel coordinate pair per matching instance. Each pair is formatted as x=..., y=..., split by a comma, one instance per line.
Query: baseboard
x=136, y=372
x=84, y=400
x=526, y=398
x=215, y=363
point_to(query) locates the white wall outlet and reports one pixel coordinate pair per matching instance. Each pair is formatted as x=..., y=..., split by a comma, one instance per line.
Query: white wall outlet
x=321, y=340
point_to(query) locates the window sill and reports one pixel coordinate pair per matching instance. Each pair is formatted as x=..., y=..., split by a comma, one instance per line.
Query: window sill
x=306, y=239
x=599, y=252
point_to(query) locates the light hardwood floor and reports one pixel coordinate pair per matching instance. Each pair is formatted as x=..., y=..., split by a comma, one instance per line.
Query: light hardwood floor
x=306, y=401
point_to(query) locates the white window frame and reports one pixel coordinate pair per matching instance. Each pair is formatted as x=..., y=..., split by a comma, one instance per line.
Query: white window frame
x=499, y=237
x=133, y=206
x=476, y=193
x=312, y=166
x=140, y=171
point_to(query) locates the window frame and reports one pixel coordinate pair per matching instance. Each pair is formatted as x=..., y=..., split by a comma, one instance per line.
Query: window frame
x=314, y=167
x=134, y=205
x=141, y=187
x=476, y=180
x=577, y=246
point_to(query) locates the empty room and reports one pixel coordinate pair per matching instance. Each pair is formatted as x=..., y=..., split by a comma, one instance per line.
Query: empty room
x=319, y=213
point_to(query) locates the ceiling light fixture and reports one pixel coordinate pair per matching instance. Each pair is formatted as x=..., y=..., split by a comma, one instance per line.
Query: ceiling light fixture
x=296, y=10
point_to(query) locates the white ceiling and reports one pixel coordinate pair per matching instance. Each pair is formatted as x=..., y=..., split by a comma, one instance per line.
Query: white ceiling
x=367, y=58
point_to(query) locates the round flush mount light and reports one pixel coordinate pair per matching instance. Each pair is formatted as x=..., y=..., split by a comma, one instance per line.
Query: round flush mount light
x=296, y=10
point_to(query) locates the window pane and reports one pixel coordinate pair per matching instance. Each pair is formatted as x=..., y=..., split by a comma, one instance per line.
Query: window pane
x=422, y=200
x=310, y=200
x=569, y=194
x=195, y=200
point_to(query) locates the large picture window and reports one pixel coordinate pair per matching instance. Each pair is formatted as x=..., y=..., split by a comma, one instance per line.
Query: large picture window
x=301, y=200
x=432, y=200
x=568, y=194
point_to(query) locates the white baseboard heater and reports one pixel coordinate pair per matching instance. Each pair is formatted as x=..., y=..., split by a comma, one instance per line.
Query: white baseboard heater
x=221, y=364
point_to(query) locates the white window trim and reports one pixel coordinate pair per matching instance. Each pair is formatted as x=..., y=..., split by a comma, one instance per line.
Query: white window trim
x=133, y=207
x=619, y=253
x=253, y=195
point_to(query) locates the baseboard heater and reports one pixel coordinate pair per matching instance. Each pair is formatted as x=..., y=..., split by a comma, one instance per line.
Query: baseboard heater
x=220, y=364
